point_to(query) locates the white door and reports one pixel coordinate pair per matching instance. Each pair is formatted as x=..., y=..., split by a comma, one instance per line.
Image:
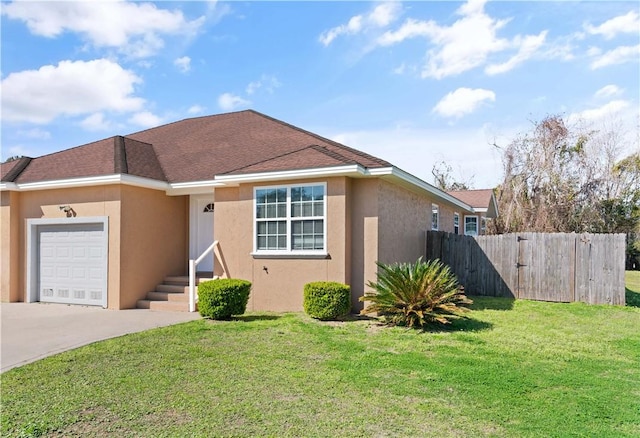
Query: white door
x=72, y=264
x=202, y=208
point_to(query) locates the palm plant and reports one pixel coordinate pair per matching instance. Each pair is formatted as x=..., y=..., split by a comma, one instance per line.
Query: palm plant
x=417, y=294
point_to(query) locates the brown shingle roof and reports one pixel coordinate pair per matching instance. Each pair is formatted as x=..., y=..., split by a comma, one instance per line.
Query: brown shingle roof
x=197, y=149
x=474, y=198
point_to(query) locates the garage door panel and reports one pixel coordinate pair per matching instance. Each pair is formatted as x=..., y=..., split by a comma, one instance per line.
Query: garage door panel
x=73, y=264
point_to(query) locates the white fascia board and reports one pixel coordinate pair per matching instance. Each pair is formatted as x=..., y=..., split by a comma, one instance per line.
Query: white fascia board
x=350, y=170
x=88, y=182
x=8, y=186
x=395, y=172
x=193, y=187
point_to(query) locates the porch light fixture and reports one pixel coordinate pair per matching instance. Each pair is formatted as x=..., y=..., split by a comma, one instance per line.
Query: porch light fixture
x=70, y=212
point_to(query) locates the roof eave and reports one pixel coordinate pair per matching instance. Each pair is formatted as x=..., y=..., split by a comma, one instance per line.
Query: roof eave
x=399, y=175
x=90, y=181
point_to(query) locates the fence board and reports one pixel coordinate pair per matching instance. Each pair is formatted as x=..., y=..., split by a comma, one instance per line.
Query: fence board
x=537, y=266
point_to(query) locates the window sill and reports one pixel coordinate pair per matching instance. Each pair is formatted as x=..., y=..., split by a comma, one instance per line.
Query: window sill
x=290, y=255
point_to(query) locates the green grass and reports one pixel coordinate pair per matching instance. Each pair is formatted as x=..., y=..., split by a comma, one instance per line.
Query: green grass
x=517, y=369
x=632, y=295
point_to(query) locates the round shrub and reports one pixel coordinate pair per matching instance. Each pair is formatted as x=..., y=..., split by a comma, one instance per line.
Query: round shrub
x=219, y=299
x=326, y=300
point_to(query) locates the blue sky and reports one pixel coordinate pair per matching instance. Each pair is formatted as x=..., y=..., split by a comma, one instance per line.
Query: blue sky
x=416, y=83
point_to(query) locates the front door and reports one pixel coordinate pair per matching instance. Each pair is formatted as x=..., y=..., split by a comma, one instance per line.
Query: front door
x=201, y=235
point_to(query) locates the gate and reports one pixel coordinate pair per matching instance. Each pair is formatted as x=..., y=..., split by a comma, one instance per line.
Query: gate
x=536, y=266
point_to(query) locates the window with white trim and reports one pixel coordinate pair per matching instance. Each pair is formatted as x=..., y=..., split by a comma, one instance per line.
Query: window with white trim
x=471, y=225
x=290, y=219
x=483, y=225
x=456, y=223
x=435, y=213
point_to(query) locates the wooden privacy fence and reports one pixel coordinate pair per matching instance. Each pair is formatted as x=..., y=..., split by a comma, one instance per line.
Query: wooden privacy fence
x=536, y=266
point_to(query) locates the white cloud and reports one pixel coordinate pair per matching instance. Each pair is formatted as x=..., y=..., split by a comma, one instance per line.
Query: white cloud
x=463, y=101
x=195, y=109
x=183, y=64
x=608, y=91
x=619, y=55
x=96, y=122
x=467, y=43
x=134, y=28
x=267, y=82
x=528, y=46
x=381, y=16
x=628, y=23
x=230, y=102
x=605, y=112
x=145, y=119
x=35, y=133
x=70, y=88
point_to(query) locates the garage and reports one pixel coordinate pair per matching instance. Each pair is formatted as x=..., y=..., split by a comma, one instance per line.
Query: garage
x=69, y=261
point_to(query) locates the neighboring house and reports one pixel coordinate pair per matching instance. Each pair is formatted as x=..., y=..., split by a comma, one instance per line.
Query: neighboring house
x=484, y=206
x=104, y=223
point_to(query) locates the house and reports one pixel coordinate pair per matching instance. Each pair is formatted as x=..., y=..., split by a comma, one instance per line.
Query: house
x=484, y=207
x=105, y=223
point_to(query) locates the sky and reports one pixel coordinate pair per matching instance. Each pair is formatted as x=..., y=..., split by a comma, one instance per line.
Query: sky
x=416, y=83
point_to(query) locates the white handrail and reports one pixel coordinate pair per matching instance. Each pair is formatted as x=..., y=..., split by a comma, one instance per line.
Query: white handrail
x=192, y=276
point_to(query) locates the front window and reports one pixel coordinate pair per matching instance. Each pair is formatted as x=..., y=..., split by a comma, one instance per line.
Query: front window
x=483, y=225
x=456, y=223
x=290, y=218
x=435, y=210
x=471, y=225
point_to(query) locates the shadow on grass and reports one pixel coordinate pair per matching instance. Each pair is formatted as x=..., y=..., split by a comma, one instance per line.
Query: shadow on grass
x=632, y=298
x=491, y=303
x=250, y=318
x=460, y=325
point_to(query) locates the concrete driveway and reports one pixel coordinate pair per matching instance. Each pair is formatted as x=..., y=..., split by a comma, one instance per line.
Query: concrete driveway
x=32, y=331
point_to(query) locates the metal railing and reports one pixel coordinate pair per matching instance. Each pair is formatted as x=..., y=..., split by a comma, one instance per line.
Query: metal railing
x=193, y=298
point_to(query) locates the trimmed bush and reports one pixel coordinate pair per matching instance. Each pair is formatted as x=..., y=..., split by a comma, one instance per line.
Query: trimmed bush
x=219, y=299
x=326, y=300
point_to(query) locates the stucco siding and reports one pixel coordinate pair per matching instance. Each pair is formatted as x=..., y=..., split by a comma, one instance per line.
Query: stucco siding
x=404, y=219
x=277, y=282
x=85, y=202
x=364, y=236
x=154, y=244
x=10, y=249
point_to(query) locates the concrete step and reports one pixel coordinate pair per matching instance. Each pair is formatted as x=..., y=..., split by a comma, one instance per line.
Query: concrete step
x=184, y=280
x=167, y=296
x=172, y=288
x=165, y=306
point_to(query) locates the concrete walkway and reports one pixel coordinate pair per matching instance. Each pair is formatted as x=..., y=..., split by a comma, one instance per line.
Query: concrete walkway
x=32, y=331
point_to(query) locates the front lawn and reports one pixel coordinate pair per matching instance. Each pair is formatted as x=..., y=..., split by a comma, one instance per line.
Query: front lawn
x=519, y=368
x=632, y=295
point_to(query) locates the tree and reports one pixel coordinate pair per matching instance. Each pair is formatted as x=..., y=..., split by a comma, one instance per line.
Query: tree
x=444, y=180
x=560, y=178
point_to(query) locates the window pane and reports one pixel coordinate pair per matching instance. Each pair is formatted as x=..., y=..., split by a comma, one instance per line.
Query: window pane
x=261, y=196
x=318, y=227
x=295, y=194
x=296, y=227
x=271, y=195
x=296, y=210
x=262, y=227
x=282, y=242
x=318, y=193
x=282, y=210
x=282, y=195
x=260, y=211
x=307, y=209
x=262, y=242
x=306, y=193
x=282, y=227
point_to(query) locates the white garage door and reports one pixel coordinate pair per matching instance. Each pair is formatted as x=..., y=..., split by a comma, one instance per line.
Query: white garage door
x=72, y=264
